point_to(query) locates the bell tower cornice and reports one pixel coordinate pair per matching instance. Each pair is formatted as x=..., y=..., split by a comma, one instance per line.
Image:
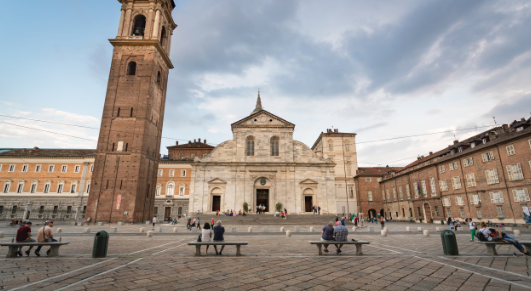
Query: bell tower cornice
x=142, y=42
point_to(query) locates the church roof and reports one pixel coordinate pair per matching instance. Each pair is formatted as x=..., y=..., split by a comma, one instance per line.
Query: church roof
x=274, y=121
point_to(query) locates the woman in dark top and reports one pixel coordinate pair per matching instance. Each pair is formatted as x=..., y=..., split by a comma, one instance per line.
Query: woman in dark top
x=218, y=236
x=327, y=234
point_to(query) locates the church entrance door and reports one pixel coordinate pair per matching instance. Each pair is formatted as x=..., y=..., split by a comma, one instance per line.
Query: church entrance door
x=216, y=202
x=262, y=198
x=167, y=212
x=308, y=203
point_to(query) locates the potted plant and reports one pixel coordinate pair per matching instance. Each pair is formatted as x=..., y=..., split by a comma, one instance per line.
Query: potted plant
x=431, y=220
x=420, y=219
x=245, y=206
x=442, y=222
x=278, y=206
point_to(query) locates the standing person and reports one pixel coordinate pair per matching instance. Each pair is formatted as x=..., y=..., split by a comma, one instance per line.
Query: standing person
x=264, y=209
x=337, y=222
x=340, y=234
x=318, y=210
x=343, y=220
x=382, y=222
x=450, y=222
x=217, y=212
x=249, y=208
x=212, y=223
x=327, y=234
x=154, y=221
x=45, y=234
x=356, y=222
x=24, y=235
x=189, y=223
x=199, y=223
x=314, y=208
x=473, y=228
x=206, y=234
x=218, y=236
x=490, y=234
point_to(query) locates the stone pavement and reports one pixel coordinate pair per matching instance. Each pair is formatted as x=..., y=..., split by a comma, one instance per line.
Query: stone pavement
x=400, y=261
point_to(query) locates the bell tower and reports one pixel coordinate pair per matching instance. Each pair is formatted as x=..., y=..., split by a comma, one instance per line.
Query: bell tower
x=126, y=163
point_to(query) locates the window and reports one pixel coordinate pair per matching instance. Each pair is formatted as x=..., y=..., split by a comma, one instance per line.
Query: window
x=521, y=195
x=37, y=168
x=489, y=156
x=192, y=156
x=416, y=189
x=380, y=179
x=47, y=187
x=120, y=146
x=88, y=187
x=441, y=169
x=76, y=169
x=369, y=196
x=183, y=173
x=424, y=189
x=131, y=69
x=462, y=213
x=479, y=214
x=410, y=212
x=456, y=182
x=519, y=128
x=92, y=168
x=496, y=197
x=500, y=211
x=347, y=146
x=172, y=173
x=55, y=209
x=170, y=188
x=159, y=174
x=400, y=193
x=11, y=168
x=63, y=169
x=388, y=196
x=118, y=114
x=182, y=189
x=460, y=149
x=437, y=211
x=51, y=168
x=453, y=166
x=368, y=179
x=394, y=194
x=351, y=191
x=73, y=187
x=14, y=210
x=515, y=172
x=420, y=213
x=459, y=200
x=249, y=149
x=24, y=168
x=407, y=192
x=470, y=180
x=475, y=199
x=158, y=78
x=349, y=169
x=468, y=162
x=20, y=187
x=139, y=26
x=484, y=141
x=330, y=146
x=446, y=201
x=33, y=187
x=274, y=146
x=472, y=145
x=60, y=188
x=492, y=176
x=449, y=213
x=433, y=187
x=7, y=185
x=158, y=190
x=510, y=150
x=383, y=195
x=155, y=210
x=443, y=185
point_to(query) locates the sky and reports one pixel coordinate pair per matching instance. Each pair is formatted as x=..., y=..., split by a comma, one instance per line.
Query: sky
x=380, y=69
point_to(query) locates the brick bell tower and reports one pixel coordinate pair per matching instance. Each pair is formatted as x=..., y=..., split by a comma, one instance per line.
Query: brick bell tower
x=125, y=171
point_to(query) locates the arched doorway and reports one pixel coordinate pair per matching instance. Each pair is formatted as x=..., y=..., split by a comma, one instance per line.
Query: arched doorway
x=308, y=199
x=216, y=199
x=427, y=212
x=372, y=213
x=381, y=213
x=262, y=188
x=403, y=212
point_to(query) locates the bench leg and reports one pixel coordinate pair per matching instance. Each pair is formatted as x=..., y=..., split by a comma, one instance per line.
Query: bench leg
x=491, y=250
x=54, y=251
x=527, y=247
x=197, y=250
x=238, y=250
x=12, y=252
x=319, y=249
x=358, y=250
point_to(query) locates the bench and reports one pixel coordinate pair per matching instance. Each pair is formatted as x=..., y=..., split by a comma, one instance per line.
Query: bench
x=491, y=246
x=215, y=244
x=13, y=247
x=357, y=243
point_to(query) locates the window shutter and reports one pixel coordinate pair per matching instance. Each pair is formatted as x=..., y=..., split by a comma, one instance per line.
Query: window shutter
x=510, y=172
x=472, y=199
x=518, y=170
x=501, y=196
x=492, y=200
x=515, y=195
x=495, y=172
x=484, y=157
x=526, y=194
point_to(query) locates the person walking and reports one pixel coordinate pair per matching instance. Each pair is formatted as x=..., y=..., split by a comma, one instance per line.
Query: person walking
x=154, y=221
x=327, y=234
x=218, y=236
x=340, y=234
x=318, y=210
x=206, y=235
x=382, y=222
x=356, y=222
x=45, y=234
x=450, y=222
x=189, y=223
x=199, y=223
x=473, y=228
x=24, y=235
x=212, y=223
x=343, y=220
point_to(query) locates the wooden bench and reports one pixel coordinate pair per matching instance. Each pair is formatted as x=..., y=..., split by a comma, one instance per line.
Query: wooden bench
x=357, y=243
x=215, y=244
x=491, y=246
x=13, y=247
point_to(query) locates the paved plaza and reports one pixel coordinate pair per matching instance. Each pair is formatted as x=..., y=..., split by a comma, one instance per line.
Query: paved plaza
x=271, y=261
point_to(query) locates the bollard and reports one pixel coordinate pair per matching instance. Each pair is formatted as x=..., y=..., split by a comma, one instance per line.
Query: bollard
x=282, y=229
x=353, y=229
x=508, y=228
x=1, y=234
x=408, y=228
x=114, y=230
x=86, y=230
x=158, y=229
x=311, y=229
x=426, y=233
x=288, y=233
x=148, y=222
x=264, y=229
x=516, y=232
x=59, y=230
x=419, y=228
x=150, y=234
x=233, y=229
x=385, y=228
x=121, y=223
x=250, y=229
x=100, y=223
x=370, y=229
x=297, y=228
x=437, y=229
x=383, y=232
x=175, y=230
x=141, y=229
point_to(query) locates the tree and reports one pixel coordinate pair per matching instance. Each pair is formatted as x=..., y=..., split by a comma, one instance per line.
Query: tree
x=245, y=206
x=278, y=206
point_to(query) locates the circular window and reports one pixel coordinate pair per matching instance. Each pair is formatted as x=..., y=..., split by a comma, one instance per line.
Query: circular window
x=270, y=120
x=255, y=120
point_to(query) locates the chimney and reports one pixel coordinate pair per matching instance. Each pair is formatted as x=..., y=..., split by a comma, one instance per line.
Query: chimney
x=189, y=142
x=194, y=140
x=205, y=141
x=431, y=153
x=505, y=128
x=177, y=143
x=199, y=139
x=522, y=120
x=456, y=141
x=336, y=130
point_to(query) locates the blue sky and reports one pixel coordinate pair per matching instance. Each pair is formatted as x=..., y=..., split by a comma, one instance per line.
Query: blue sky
x=378, y=68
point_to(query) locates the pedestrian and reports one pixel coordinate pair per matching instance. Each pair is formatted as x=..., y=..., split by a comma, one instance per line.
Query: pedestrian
x=218, y=236
x=356, y=222
x=199, y=223
x=212, y=223
x=217, y=212
x=285, y=211
x=12, y=223
x=24, y=235
x=340, y=234
x=189, y=223
x=343, y=220
x=450, y=223
x=206, y=234
x=45, y=234
x=382, y=222
x=473, y=228
x=337, y=222
x=327, y=234
x=318, y=210
x=249, y=208
x=490, y=234
x=154, y=221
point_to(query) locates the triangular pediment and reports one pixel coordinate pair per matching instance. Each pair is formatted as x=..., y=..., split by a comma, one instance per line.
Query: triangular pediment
x=217, y=181
x=308, y=182
x=262, y=118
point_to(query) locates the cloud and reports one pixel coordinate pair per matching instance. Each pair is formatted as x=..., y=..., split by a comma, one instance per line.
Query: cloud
x=433, y=111
x=373, y=126
x=507, y=111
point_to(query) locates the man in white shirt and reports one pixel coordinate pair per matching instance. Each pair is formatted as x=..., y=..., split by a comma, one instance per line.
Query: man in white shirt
x=154, y=221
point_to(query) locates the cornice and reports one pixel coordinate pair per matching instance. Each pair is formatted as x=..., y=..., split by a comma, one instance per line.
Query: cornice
x=144, y=42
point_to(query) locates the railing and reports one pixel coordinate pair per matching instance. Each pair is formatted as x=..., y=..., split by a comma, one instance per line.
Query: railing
x=38, y=215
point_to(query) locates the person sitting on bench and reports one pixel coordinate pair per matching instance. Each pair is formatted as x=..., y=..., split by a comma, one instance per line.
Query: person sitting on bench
x=45, y=234
x=327, y=234
x=218, y=236
x=24, y=235
x=486, y=234
x=340, y=234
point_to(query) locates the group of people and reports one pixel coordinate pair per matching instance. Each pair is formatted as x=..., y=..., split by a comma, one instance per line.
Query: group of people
x=282, y=214
x=213, y=233
x=335, y=232
x=44, y=234
x=193, y=222
x=316, y=209
x=260, y=209
x=455, y=223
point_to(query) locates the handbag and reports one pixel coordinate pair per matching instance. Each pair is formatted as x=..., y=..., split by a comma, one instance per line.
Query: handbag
x=199, y=238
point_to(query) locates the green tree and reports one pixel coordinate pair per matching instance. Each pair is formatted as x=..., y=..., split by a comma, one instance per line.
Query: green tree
x=245, y=206
x=278, y=206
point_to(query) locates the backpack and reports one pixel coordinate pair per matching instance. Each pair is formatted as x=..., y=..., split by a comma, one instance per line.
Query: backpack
x=481, y=236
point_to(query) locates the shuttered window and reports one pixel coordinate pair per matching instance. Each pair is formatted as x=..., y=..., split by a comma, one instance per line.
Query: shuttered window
x=514, y=172
x=510, y=150
x=443, y=185
x=496, y=197
x=369, y=195
x=487, y=157
x=521, y=195
x=492, y=176
x=407, y=192
x=456, y=182
x=470, y=180
x=433, y=187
